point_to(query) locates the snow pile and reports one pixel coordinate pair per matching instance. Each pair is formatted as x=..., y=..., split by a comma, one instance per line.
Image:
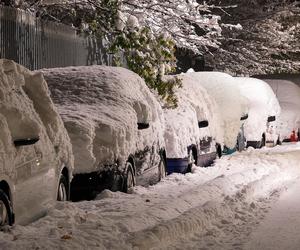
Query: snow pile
x=27, y=111
x=101, y=107
x=232, y=105
x=262, y=104
x=194, y=105
x=288, y=94
x=212, y=208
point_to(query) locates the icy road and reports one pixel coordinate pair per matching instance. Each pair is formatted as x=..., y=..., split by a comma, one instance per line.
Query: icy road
x=243, y=202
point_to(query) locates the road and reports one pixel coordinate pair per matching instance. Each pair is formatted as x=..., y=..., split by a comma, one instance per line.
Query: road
x=230, y=205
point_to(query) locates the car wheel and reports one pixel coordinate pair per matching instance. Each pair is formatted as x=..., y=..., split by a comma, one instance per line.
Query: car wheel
x=129, y=178
x=6, y=212
x=62, y=192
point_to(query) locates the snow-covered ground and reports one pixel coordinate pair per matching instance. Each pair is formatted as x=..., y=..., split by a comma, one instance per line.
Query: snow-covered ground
x=211, y=208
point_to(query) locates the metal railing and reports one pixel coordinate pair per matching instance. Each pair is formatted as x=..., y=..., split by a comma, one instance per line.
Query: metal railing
x=37, y=44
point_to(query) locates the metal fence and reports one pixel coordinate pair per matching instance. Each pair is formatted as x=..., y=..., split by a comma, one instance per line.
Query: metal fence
x=37, y=44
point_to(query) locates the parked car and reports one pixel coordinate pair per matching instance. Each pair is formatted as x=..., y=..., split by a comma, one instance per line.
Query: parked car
x=264, y=109
x=193, y=134
x=288, y=94
x=232, y=106
x=115, y=124
x=35, y=152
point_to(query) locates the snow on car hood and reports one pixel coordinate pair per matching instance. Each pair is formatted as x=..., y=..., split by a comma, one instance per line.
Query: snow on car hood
x=221, y=87
x=101, y=107
x=26, y=111
x=194, y=105
x=262, y=104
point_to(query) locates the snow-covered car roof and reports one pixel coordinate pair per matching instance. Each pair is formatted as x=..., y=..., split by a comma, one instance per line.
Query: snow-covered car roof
x=262, y=104
x=25, y=103
x=222, y=88
x=101, y=107
x=194, y=105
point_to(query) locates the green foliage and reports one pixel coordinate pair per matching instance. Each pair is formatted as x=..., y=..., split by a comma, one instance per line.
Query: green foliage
x=150, y=57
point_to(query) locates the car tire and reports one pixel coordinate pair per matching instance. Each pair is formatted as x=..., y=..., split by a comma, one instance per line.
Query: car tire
x=129, y=178
x=62, y=192
x=6, y=211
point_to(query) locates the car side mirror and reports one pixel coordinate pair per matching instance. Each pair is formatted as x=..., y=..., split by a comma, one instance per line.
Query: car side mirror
x=271, y=118
x=142, y=125
x=203, y=124
x=244, y=117
x=26, y=142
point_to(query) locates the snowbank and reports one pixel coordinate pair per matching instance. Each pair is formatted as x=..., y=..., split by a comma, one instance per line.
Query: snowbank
x=288, y=94
x=194, y=105
x=262, y=104
x=101, y=107
x=222, y=88
x=211, y=208
x=27, y=111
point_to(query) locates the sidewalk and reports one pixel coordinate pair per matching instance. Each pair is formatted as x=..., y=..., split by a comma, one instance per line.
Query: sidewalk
x=280, y=229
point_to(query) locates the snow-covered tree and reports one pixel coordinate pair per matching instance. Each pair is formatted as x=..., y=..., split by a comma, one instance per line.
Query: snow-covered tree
x=190, y=24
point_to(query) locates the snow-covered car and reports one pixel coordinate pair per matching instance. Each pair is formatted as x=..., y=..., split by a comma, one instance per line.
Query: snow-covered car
x=264, y=109
x=233, y=107
x=36, y=157
x=193, y=134
x=115, y=124
x=288, y=94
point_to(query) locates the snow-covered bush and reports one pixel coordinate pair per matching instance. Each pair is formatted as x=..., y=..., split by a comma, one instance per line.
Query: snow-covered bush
x=150, y=56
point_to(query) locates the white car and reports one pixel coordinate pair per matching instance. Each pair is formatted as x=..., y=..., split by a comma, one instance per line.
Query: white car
x=35, y=152
x=193, y=134
x=233, y=107
x=288, y=94
x=115, y=124
x=264, y=109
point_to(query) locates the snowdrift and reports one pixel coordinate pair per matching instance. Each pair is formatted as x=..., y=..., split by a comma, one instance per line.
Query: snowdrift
x=222, y=88
x=262, y=104
x=101, y=107
x=194, y=104
x=25, y=103
x=288, y=94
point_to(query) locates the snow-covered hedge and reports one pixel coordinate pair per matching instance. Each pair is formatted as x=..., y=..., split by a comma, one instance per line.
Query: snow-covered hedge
x=101, y=107
x=262, y=104
x=232, y=105
x=288, y=94
x=194, y=105
x=27, y=111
